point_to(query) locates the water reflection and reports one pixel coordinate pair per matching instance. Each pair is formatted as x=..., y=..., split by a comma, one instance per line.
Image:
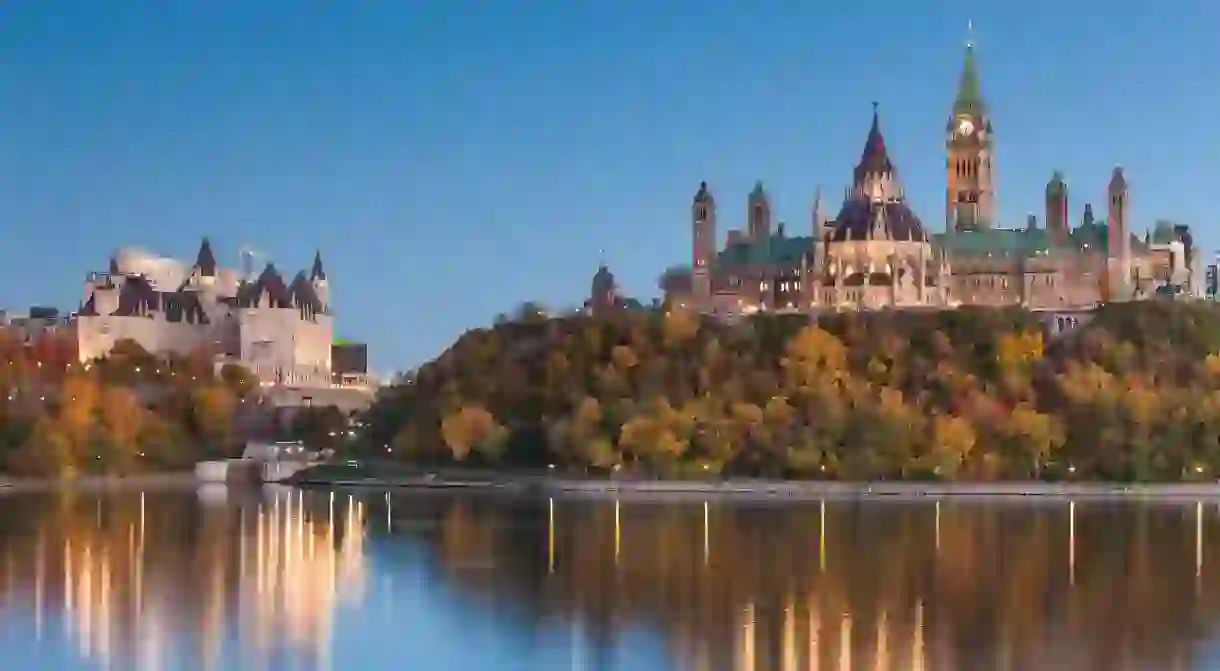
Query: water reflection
x=281, y=579
x=146, y=580
x=838, y=585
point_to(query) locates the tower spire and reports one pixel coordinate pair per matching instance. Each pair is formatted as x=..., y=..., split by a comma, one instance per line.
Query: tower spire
x=874, y=159
x=969, y=94
x=317, y=272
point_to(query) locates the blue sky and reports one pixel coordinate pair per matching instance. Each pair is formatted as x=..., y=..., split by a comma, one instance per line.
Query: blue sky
x=453, y=158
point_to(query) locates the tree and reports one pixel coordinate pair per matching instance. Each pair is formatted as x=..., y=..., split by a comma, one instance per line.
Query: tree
x=211, y=409
x=970, y=393
x=814, y=356
x=472, y=428
x=319, y=427
x=121, y=430
x=239, y=379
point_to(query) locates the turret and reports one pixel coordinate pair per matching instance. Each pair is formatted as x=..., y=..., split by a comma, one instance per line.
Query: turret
x=703, y=225
x=1118, y=229
x=317, y=277
x=205, y=264
x=1057, y=209
x=758, y=217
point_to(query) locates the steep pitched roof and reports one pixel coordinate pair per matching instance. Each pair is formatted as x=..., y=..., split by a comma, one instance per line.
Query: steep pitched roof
x=302, y=294
x=270, y=284
x=969, y=98
x=205, y=260
x=137, y=297
x=317, y=272
x=875, y=158
x=184, y=306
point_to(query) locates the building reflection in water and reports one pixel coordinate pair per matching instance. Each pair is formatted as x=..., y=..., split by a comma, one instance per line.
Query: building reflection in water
x=846, y=585
x=144, y=581
x=135, y=581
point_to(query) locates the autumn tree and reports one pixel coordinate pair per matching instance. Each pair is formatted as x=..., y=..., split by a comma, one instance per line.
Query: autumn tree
x=473, y=428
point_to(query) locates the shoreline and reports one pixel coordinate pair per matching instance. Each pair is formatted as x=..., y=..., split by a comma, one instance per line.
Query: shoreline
x=96, y=483
x=778, y=490
x=667, y=490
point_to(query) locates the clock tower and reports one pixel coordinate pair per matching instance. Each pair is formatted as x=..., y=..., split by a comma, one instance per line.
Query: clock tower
x=970, y=193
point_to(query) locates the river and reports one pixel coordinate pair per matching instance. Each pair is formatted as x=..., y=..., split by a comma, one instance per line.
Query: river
x=281, y=578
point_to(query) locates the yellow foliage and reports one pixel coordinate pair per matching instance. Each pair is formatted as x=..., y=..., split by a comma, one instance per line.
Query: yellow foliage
x=121, y=424
x=778, y=412
x=953, y=437
x=79, y=397
x=1212, y=365
x=678, y=327
x=1019, y=349
x=213, y=406
x=813, y=355
x=624, y=357
x=1085, y=382
x=469, y=428
x=650, y=437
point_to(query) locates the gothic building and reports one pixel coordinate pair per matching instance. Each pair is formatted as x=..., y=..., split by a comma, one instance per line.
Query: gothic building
x=876, y=253
x=282, y=331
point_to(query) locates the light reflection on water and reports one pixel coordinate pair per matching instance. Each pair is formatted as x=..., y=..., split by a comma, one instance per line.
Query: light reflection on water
x=287, y=579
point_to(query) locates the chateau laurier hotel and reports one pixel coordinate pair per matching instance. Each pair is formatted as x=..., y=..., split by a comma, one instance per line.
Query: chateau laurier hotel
x=877, y=253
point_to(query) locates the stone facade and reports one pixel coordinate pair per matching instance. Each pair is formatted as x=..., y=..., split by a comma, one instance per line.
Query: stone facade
x=281, y=331
x=877, y=253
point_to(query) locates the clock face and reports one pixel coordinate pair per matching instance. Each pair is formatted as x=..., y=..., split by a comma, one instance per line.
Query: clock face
x=965, y=126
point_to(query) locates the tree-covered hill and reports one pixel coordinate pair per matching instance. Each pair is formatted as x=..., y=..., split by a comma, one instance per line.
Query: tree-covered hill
x=974, y=393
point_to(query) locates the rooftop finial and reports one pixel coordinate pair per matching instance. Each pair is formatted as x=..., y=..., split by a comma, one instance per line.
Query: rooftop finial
x=970, y=33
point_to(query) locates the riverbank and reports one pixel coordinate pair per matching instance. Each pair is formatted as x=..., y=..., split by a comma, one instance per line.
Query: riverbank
x=96, y=483
x=760, y=489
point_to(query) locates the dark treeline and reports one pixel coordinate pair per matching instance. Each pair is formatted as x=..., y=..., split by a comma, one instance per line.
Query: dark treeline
x=973, y=393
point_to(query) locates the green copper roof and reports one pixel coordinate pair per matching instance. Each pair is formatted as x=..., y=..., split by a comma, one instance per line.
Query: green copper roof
x=775, y=249
x=995, y=242
x=969, y=95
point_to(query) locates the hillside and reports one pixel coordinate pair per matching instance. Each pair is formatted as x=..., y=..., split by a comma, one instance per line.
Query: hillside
x=973, y=393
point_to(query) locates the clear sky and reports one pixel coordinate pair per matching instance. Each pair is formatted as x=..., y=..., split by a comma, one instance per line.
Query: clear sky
x=453, y=158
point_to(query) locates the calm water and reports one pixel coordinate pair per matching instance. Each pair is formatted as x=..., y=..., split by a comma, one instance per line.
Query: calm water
x=288, y=580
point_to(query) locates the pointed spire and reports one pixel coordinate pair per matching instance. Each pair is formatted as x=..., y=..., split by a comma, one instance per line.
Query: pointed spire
x=818, y=222
x=758, y=192
x=205, y=261
x=875, y=159
x=969, y=95
x=317, y=273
